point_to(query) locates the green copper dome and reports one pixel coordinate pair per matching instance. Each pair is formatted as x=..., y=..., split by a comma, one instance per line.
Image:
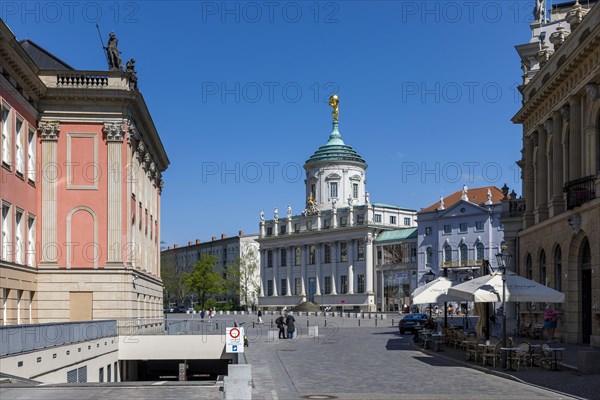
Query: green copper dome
x=336, y=150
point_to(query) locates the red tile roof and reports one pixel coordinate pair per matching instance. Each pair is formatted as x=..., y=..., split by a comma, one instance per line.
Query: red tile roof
x=476, y=196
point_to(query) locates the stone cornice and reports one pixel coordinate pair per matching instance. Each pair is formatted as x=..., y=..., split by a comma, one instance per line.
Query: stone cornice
x=49, y=130
x=566, y=73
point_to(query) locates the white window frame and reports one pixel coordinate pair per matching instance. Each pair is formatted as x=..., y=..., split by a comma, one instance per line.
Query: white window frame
x=19, y=145
x=19, y=237
x=449, y=232
x=19, y=297
x=6, y=231
x=31, y=154
x=461, y=225
x=393, y=219
x=377, y=218
x=31, y=240
x=407, y=221
x=355, y=190
x=6, y=118
x=333, y=190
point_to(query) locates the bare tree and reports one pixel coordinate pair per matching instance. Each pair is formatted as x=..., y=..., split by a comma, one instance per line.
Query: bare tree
x=244, y=273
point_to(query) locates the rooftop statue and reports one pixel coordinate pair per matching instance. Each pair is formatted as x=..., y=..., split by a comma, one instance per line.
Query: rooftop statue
x=539, y=11
x=333, y=102
x=132, y=74
x=112, y=53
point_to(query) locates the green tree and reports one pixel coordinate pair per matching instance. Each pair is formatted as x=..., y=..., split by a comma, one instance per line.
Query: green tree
x=243, y=275
x=173, y=282
x=204, y=280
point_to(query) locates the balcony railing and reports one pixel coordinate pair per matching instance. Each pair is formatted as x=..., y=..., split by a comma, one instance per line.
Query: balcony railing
x=580, y=191
x=515, y=208
x=462, y=263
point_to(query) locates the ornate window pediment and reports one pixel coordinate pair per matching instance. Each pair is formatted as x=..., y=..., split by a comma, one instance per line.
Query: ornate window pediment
x=355, y=178
x=333, y=177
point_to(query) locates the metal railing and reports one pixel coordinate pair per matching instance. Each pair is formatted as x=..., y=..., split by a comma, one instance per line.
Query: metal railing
x=462, y=263
x=580, y=191
x=15, y=339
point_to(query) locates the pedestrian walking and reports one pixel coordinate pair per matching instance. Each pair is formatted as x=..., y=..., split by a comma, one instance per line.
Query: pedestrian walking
x=291, y=327
x=260, y=320
x=202, y=315
x=210, y=314
x=281, y=325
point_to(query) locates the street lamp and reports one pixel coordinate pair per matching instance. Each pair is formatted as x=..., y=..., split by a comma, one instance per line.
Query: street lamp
x=503, y=259
x=429, y=277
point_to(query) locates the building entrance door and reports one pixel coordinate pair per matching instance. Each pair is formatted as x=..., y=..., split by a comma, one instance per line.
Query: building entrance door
x=312, y=288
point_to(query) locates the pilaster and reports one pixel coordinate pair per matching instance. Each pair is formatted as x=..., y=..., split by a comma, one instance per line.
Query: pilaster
x=114, y=134
x=334, y=255
x=556, y=203
x=575, y=138
x=288, y=257
x=318, y=268
x=529, y=183
x=541, y=192
x=48, y=133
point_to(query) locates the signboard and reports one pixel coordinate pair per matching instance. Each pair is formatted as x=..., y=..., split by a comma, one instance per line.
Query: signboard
x=234, y=340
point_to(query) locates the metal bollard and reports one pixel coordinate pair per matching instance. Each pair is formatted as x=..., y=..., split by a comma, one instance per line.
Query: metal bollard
x=375, y=322
x=359, y=322
x=271, y=323
x=325, y=323
x=392, y=321
x=307, y=323
x=252, y=324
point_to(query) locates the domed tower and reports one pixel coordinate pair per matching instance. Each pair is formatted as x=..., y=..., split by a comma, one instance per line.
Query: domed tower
x=335, y=172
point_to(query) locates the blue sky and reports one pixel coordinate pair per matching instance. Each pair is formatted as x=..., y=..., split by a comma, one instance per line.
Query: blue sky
x=238, y=92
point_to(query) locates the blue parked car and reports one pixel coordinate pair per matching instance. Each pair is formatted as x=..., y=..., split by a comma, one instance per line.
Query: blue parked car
x=412, y=322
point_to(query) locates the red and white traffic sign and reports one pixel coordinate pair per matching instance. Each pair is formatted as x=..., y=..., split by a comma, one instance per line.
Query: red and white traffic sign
x=234, y=340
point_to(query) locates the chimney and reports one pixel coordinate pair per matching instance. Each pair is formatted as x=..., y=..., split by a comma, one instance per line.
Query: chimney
x=169, y=248
x=197, y=241
x=189, y=243
x=214, y=238
x=175, y=246
x=240, y=233
x=223, y=236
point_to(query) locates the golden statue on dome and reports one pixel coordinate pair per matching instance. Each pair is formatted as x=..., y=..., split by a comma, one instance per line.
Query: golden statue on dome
x=333, y=102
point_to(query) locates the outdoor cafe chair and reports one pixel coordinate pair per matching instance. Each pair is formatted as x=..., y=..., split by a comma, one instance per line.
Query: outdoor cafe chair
x=546, y=357
x=474, y=351
x=493, y=355
x=521, y=356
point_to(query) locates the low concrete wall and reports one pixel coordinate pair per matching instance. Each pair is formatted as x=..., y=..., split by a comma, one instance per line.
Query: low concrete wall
x=237, y=385
x=588, y=362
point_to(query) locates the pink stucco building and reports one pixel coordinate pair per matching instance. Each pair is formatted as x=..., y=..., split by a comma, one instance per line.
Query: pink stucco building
x=80, y=185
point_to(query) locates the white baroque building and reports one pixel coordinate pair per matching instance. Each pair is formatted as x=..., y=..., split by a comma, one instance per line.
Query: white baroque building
x=460, y=231
x=326, y=253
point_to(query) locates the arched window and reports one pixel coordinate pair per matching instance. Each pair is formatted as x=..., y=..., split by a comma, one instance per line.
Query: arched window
x=528, y=267
x=543, y=267
x=464, y=254
x=447, y=253
x=429, y=255
x=480, y=248
x=558, y=269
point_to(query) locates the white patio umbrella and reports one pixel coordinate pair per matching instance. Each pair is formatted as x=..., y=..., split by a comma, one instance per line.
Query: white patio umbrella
x=434, y=292
x=488, y=288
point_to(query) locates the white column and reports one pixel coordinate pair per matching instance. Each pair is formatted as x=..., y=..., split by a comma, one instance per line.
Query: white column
x=382, y=286
x=48, y=132
x=369, y=263
x=303, y=268
x=350, y=252
x=289, y=269
x=334, y=256
x=318, y=268
x=114, y=136
x=275, y=272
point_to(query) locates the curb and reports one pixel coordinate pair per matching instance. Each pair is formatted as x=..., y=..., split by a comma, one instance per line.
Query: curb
x=494, y=372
